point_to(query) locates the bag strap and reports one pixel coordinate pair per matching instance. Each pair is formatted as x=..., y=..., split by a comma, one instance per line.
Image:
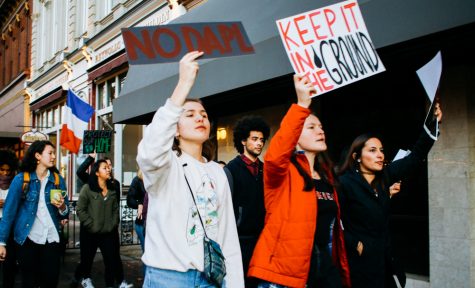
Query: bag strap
x=194, y=201
x=56, y=180
x=26, y=182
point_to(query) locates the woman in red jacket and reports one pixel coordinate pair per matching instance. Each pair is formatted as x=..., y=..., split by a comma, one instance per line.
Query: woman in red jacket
x=298, y=179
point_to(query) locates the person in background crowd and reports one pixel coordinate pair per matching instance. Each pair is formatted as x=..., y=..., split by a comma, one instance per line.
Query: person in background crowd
x=35, y=217
x=98, y=211
x=8, y=169
x=135, y=200
x=364, y=192
x=83, y=175
x=175, y=148
x=245, y=179
x=302, y=242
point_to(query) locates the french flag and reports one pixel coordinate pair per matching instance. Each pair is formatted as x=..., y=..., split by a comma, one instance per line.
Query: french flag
x=76, y=115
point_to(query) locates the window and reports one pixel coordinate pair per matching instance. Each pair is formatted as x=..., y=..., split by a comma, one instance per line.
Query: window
x=82, y=17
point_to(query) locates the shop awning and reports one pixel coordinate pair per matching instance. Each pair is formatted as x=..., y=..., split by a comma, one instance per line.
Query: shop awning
x=148, y=86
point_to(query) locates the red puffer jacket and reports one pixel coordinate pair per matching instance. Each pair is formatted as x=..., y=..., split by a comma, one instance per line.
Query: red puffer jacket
x=283, y=251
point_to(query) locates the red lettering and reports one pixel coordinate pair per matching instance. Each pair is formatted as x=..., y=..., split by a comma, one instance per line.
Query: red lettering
x=330, y=21
x=287, y=39
x=132, y=43
x=305, y=62
x=294, y=61
x=158, y=47
x=350, y=6
x=300, y=31
x=316, y=27
x=212, y=42
x=319, y=80
x=344, y=18
x=188, y=34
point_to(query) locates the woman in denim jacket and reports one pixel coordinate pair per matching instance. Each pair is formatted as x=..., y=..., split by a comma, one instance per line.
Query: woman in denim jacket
x=27, y=210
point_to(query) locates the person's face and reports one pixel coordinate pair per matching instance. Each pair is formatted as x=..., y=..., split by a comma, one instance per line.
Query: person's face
x=5, y=170
x=104, y=171
x=254, y=143
x=47, y=157
x=193, y=125
x=312, y=138
x=372, y=156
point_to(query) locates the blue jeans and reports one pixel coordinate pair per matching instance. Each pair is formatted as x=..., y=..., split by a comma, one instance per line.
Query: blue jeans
x=265, y=284
x=139, y=229
x=157, y=278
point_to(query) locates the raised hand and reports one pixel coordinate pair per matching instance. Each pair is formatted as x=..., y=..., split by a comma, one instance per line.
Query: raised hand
x=304, y=89
x=188, y=70
x=438, y=112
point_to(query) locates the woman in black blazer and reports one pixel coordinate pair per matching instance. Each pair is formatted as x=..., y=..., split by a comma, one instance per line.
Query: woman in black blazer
x=364, y=184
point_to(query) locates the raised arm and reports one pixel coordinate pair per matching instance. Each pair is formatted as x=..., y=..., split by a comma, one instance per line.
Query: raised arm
x=82, y=170
x=155, y=149
x=282, y=145
x=405, y=166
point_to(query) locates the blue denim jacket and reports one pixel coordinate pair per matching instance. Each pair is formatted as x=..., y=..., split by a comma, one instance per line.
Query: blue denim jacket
x=21, y=213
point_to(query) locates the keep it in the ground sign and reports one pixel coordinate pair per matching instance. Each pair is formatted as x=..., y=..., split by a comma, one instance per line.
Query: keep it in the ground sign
x=330, y=45
x=99, y=141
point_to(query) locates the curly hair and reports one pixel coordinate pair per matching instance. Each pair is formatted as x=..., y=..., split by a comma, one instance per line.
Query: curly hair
x=243, y=128
x=9, y=158
x=29, y=162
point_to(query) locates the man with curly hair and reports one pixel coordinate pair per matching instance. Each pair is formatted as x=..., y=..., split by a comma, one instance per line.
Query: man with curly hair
x=245, y=179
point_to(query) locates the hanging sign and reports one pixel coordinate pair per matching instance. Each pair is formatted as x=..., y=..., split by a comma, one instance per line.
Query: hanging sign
x=32, y=136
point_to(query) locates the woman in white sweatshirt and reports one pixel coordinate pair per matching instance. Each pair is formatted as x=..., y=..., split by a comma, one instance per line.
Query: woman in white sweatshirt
x=175, y=144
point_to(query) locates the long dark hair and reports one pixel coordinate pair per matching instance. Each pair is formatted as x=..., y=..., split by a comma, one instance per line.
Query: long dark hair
x=29, y=162
x=323, y=165
x=208, y=147
x=351, y=163
x=93, y=179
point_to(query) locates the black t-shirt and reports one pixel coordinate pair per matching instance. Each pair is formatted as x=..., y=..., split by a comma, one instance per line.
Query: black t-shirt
x=326, y=213
x=322, y=271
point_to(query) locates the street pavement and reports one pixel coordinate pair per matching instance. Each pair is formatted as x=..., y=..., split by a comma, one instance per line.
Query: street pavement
x=130, y=259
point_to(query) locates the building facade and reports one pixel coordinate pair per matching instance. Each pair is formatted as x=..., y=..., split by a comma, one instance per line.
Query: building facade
x=83, y=50
x=15, y=47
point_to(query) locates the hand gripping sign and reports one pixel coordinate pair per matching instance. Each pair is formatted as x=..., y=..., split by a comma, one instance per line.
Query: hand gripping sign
x=330, y=45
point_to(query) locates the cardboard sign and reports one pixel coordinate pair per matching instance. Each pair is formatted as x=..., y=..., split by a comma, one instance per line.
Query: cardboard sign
x=98, y=141
x=330, y=45
x=429, y=75
x=169, y=43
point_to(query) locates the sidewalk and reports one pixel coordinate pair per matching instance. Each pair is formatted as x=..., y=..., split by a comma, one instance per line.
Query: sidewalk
x=130, y=259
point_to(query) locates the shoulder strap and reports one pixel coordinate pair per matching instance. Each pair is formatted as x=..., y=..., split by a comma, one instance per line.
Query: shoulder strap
x=26, y=181
x=26, y=184
x=56, y=180
x=194, y=201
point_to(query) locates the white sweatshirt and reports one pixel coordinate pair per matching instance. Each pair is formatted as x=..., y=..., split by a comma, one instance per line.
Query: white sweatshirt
x=174, y=238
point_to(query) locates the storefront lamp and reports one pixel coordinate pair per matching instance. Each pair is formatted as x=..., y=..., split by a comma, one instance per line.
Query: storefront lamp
x=221, y=134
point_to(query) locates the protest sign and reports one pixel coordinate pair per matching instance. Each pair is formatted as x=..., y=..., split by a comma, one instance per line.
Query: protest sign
x=169, y=43
x=429, y=75
x=98, y=141
x=330, y=45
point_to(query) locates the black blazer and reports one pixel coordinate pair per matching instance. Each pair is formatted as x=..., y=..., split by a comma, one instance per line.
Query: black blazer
x=365, y=216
